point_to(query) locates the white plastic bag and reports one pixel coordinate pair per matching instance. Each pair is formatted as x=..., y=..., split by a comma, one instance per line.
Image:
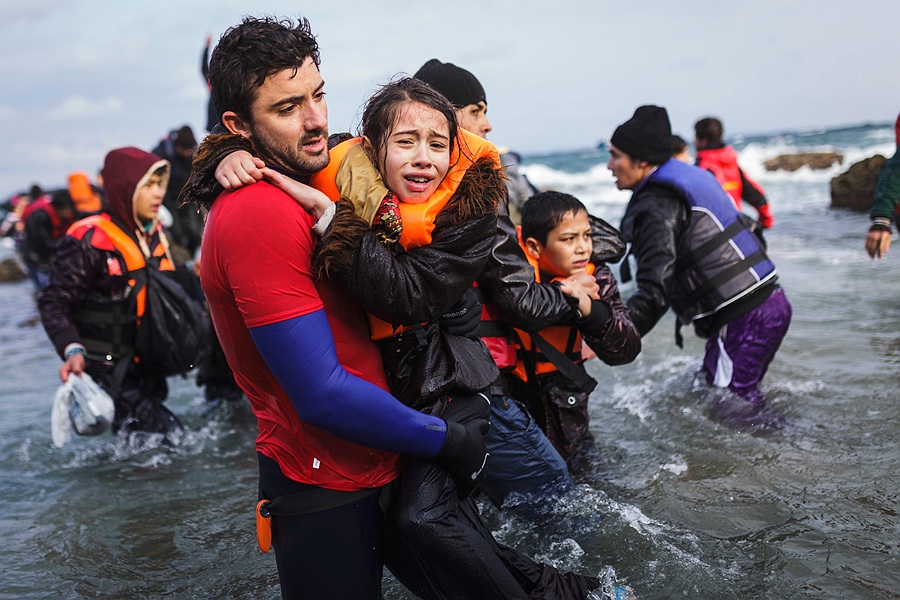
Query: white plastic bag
x=80, y=405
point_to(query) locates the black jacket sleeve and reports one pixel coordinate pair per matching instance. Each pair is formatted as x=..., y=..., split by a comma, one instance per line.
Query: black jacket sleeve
x=609, y=330
x=72, y=278
x=508, y=281
x=422, y=284
x=657, y=227
x=750, y=193
x=39, y=242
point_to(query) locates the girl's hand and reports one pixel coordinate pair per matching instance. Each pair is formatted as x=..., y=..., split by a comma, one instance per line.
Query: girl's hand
x=312, y=200
x=238, y=169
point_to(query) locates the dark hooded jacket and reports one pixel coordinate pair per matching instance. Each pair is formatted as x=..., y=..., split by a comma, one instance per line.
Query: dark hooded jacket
x=87, y=268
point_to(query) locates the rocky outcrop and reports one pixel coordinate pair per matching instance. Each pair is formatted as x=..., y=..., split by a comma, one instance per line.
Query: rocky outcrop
x=813, y=160
x=11, y=271
x=855, y=188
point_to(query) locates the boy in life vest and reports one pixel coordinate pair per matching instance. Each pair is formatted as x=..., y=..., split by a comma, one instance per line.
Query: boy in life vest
x=561, y=239
x=91, y=307
x=721, y=160
x=698, y=254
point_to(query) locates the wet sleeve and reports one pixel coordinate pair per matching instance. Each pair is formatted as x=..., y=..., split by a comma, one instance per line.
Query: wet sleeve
x=751, y=192
x=609, y=331
x=654, y=246
x=300, y=352
x=887, y=192
x=508, y=279
x=422, y=284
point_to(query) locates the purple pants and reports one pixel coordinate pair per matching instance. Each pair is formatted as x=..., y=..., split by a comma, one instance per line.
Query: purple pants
x=738, y=355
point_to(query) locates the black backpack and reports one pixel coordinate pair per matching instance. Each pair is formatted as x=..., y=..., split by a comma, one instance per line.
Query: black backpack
x=175, y=330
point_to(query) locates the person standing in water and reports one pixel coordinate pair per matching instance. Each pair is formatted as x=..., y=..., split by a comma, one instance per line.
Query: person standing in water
x=698, y=254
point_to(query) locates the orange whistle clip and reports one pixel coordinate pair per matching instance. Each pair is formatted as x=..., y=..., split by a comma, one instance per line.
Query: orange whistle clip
x=263, y=528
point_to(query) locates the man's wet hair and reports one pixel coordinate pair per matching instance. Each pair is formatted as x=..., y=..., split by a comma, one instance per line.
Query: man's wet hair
x=544, y=211
x=250, y=52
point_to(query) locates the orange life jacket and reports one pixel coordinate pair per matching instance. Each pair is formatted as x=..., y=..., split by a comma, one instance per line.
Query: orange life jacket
x=418, y=219
x=565, y=338
x=121, y=241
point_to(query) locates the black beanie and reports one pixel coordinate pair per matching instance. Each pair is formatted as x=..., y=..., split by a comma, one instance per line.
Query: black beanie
x=184, y=138
x=645, y=136
x=459, y=86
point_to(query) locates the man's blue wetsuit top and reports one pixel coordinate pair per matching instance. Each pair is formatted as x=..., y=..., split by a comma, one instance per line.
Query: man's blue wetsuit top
x=301, y=354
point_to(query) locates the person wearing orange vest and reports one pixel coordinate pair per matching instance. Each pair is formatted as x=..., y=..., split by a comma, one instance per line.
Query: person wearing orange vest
x=406, y=238
x=92, y=305
x=560, y=239
x=721, y=160
x=44, y=221
x=87, y=198
x=524, y=464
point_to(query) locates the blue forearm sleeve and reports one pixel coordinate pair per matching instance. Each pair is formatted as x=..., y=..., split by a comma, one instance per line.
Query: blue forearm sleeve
x=301, y=354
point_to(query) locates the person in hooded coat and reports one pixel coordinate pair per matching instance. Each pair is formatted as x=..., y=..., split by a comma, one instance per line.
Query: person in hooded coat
x=91, y=306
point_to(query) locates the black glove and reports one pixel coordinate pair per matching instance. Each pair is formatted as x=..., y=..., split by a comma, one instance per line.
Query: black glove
x=464, y=317
x=464, y=454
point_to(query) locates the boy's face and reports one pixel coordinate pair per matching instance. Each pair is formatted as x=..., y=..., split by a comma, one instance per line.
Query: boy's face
x=568, y=247
x=148, y=198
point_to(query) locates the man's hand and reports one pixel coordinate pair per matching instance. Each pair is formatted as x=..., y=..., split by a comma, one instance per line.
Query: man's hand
x=238, y=169
x=878, y=243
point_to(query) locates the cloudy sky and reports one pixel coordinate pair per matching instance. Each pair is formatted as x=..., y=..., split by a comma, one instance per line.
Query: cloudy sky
x=79, y=77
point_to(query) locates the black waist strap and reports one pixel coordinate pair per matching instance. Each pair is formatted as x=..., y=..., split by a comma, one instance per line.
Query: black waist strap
x=315, y=499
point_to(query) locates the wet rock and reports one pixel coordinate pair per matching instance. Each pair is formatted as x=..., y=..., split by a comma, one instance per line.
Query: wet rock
x=855, y=188
x=10, y=271
x=813, y=160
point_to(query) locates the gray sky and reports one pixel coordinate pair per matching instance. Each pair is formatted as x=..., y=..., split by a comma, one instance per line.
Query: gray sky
x=80, y=77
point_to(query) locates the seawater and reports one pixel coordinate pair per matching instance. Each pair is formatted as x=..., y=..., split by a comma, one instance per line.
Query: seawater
x=681, y=504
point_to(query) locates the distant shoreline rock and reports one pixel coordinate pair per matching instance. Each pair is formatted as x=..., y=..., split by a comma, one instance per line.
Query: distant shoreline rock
x=813, y=160
x=10, y=271
x=855, y=188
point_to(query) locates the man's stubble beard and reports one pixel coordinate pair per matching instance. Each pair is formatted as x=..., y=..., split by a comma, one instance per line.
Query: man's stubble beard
x=287, y=158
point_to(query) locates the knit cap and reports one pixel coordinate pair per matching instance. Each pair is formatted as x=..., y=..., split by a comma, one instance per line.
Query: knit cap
x=459, y=86
x=645, y=136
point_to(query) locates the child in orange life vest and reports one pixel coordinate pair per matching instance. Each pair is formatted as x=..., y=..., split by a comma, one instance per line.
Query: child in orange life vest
x=408, y=237
x=560, y=239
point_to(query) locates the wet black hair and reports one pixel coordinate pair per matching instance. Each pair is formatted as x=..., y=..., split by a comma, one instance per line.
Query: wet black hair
x=383, y=109
x=250, y=52
x=61, y=199
x=710, y=130
x=544, y=211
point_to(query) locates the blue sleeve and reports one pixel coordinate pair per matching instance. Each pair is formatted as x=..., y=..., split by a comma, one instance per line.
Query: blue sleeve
x=301, y=354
